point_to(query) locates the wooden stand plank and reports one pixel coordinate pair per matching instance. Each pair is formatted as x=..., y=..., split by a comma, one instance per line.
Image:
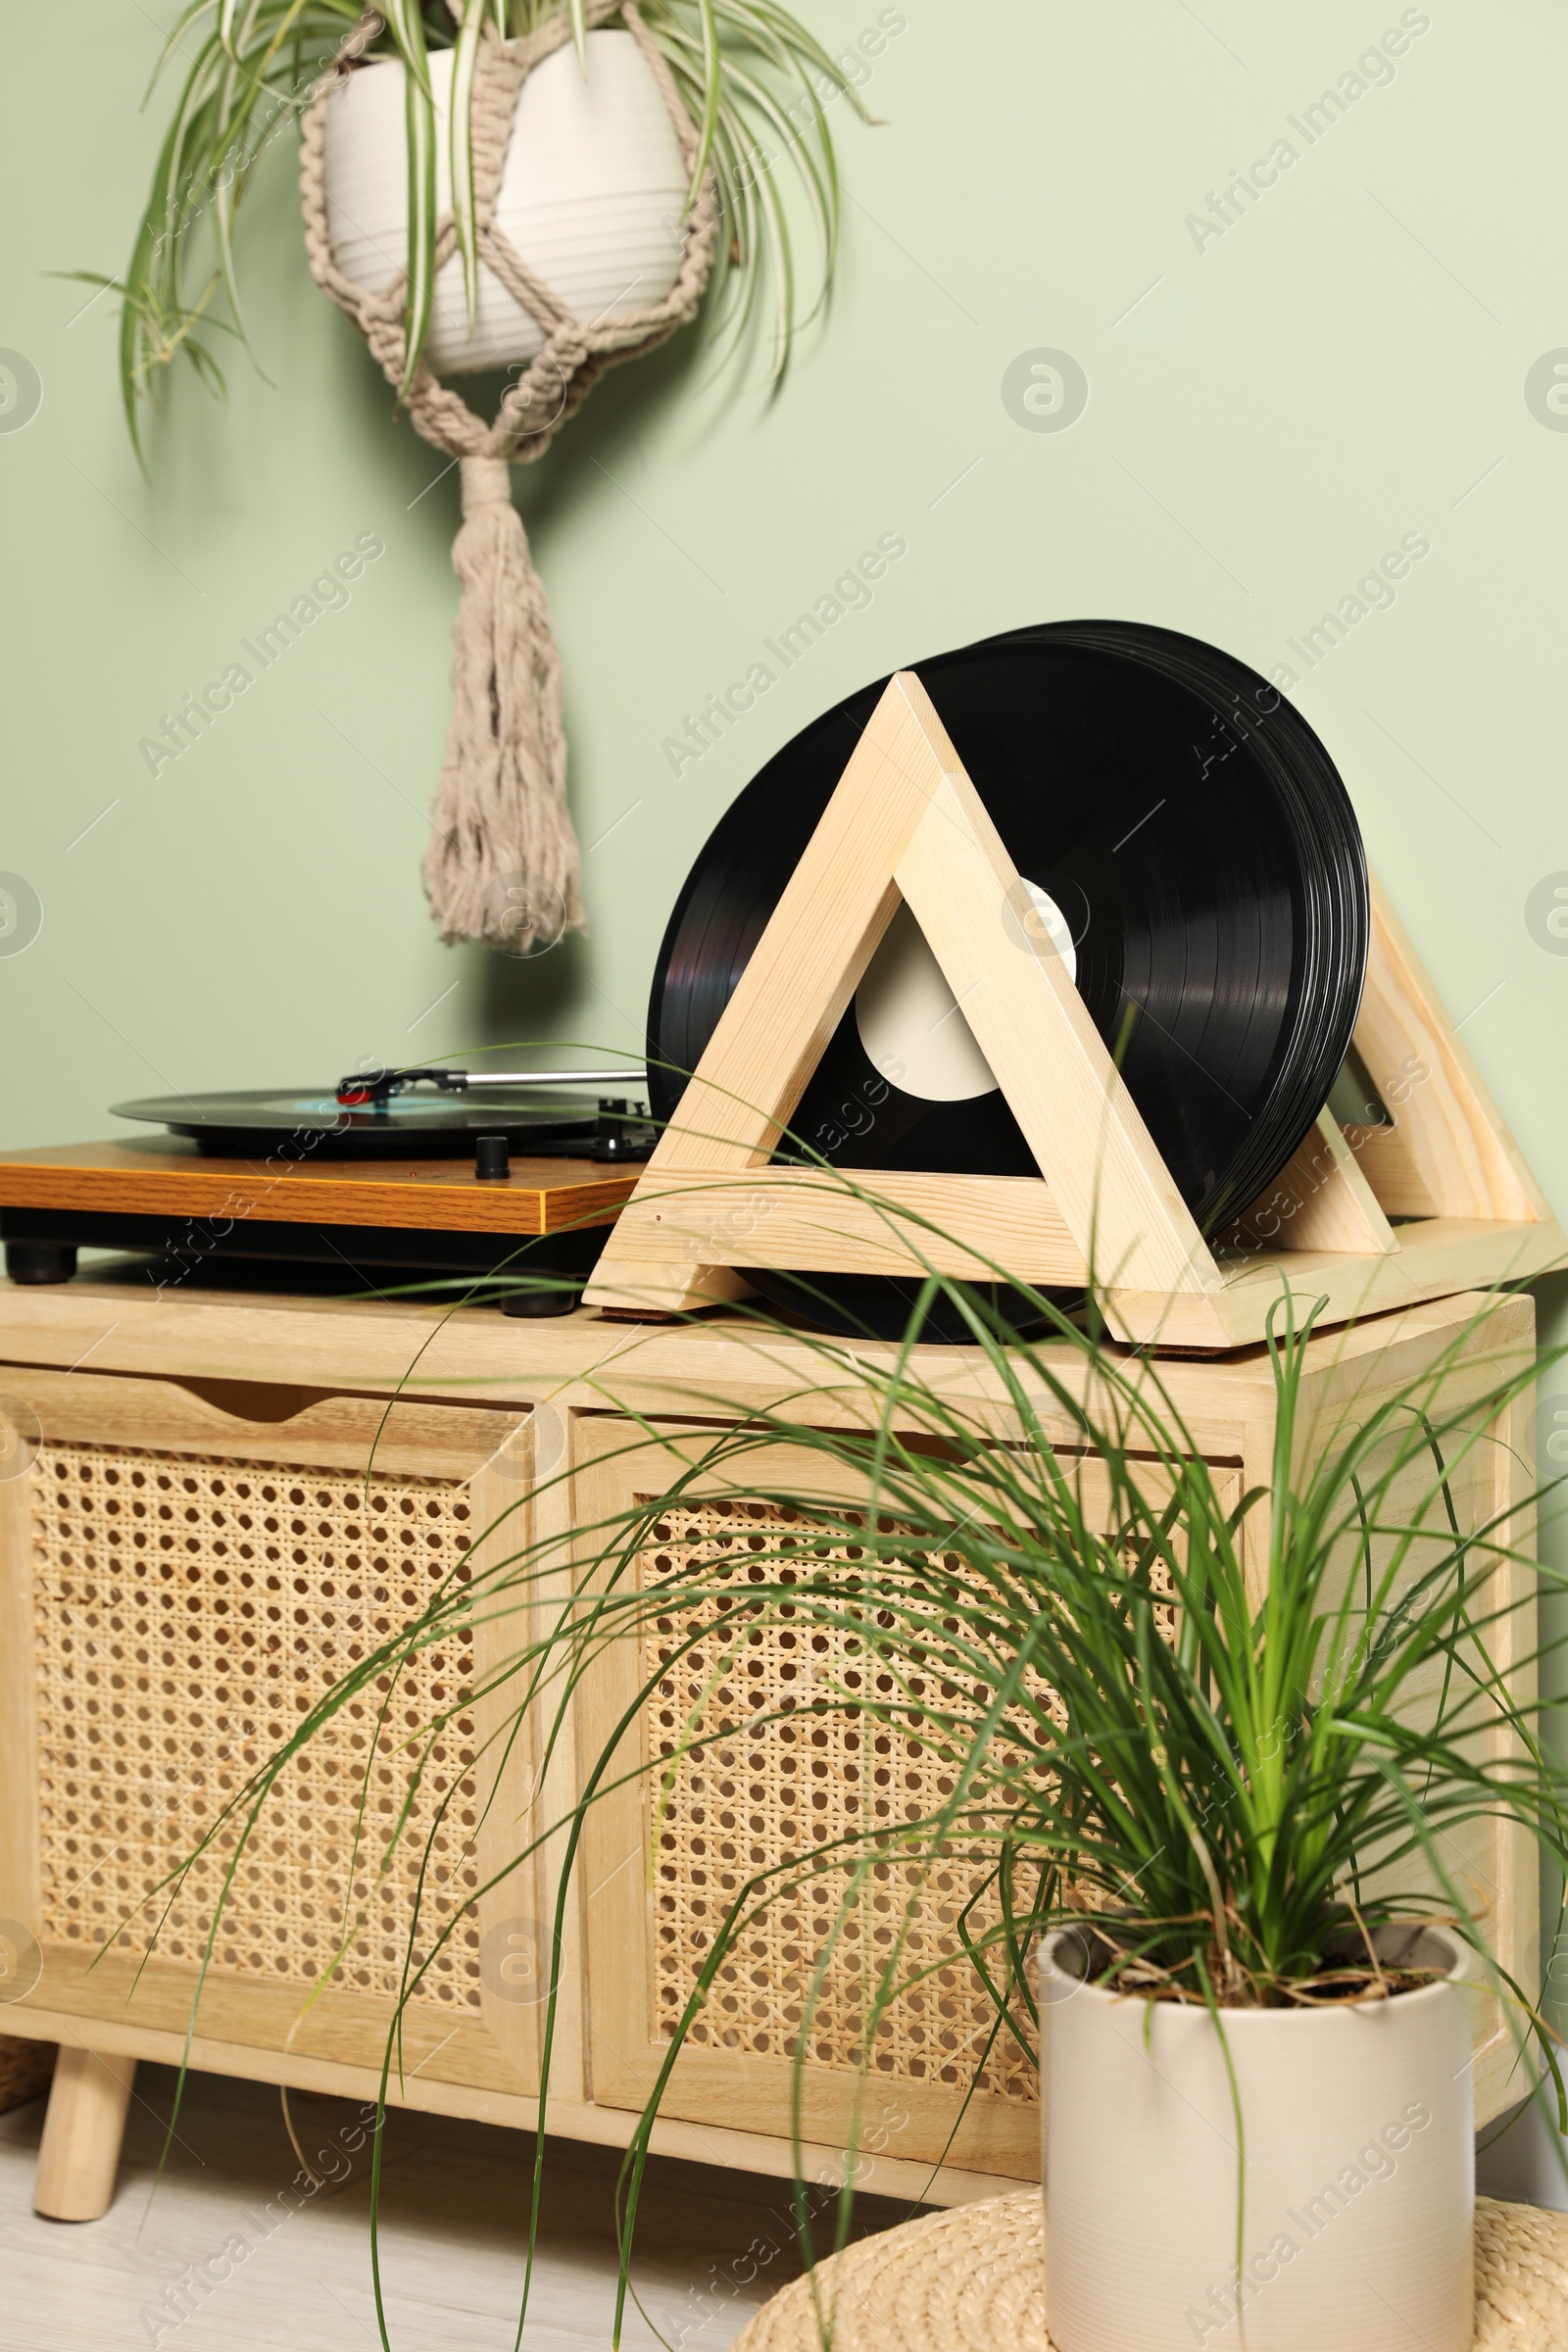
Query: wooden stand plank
x=1319, y=1201
x=1451, y=1134
x=819, y=1224
x=1087, y=1137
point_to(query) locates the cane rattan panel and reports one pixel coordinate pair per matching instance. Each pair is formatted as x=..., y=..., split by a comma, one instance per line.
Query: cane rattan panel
x=189, y=1611
x=725, y=1811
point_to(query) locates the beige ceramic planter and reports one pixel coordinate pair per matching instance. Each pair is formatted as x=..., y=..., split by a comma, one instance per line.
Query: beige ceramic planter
x=1359, y=2167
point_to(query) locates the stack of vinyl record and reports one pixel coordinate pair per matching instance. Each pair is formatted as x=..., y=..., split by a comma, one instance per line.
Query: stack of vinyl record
x=1183, y=837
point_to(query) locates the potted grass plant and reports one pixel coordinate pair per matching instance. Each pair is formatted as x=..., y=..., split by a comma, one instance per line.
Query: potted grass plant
x=1211, y=1756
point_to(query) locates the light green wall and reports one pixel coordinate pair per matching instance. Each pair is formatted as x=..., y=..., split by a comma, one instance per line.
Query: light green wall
x=1339, y=368
x=1336, y=371
x=1344, y=366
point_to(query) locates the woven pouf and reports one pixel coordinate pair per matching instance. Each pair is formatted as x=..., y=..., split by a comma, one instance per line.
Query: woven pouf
x=974, y=2279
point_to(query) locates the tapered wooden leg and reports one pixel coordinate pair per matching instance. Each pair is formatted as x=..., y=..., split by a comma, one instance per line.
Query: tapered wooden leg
x=81, y=2135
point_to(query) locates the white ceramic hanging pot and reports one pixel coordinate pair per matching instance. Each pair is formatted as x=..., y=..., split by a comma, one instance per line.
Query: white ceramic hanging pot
x=1359, y=2174
x=592, y=195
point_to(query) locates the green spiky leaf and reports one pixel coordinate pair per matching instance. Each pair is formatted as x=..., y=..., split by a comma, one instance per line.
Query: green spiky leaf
x=464, y=66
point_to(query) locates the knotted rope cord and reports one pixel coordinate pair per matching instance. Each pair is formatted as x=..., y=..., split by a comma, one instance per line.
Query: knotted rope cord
x=504, y=866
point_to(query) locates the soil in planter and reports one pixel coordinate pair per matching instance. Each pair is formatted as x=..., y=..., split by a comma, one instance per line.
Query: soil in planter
x=1347, y=1976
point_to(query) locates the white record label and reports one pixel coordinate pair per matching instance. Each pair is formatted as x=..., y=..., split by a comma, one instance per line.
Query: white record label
x=910, y=1023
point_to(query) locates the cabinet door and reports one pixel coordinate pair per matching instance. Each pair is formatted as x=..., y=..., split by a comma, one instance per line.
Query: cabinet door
x=182, y=1583
x=668, y=1853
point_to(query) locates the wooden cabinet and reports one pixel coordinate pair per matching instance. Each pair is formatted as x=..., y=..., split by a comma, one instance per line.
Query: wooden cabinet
x=222, y=1501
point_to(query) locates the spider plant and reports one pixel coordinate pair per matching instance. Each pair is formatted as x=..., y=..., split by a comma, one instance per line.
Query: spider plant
x=751, y=77
x=1237, y=1733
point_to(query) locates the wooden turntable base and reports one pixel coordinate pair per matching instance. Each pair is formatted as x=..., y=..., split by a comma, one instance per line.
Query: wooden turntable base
x=172, y=1178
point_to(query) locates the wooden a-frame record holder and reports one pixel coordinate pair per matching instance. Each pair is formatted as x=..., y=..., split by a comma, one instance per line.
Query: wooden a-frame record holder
x=1435, y=1200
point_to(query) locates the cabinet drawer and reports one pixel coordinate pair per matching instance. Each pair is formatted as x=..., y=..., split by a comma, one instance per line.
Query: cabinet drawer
x=669, y=1852
x=183, y=1583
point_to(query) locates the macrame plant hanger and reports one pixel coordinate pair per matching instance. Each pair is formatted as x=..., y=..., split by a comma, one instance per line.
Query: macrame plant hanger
x=504, y=866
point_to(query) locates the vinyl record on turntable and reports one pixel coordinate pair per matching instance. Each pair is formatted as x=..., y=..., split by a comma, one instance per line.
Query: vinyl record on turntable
x=384, y=1114
x=1184, y=838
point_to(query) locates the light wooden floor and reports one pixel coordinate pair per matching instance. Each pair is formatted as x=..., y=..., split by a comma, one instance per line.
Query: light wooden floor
x=712, y=2243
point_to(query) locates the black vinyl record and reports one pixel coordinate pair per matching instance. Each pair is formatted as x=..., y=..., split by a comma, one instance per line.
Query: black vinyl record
x=305, y=1124
x=1173, y=816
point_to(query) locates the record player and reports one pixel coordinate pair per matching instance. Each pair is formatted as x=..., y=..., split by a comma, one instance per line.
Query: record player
x=444, y=1177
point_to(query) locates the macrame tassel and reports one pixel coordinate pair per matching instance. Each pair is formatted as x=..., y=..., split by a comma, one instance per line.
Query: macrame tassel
x=503, y=866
